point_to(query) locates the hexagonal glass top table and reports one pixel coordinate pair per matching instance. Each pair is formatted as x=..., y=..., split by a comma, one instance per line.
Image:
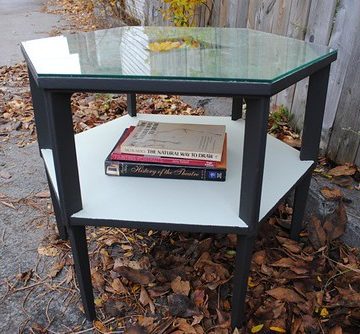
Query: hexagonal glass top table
x=221, y=54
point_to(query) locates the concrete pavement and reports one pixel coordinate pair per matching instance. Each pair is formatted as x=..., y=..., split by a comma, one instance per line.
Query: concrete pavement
x=21, y=20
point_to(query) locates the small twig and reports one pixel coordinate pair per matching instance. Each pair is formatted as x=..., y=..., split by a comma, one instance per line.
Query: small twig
x=28, y=287
x=24, y=302
x=92, y=328
x=343, y=265
x=47, y=311
x=334, y=276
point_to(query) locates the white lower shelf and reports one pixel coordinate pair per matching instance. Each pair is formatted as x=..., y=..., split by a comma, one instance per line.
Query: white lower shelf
x=206, y=203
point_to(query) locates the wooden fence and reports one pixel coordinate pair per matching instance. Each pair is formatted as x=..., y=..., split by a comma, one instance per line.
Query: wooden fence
x=331, y=22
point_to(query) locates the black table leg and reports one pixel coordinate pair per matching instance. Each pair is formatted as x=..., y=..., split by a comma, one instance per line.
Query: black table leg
x=236, y=112
x=45, y=142
x=257, y=114
x=59, y=217
x=251, y=186
x=82, y=268
x=131, y=104
x=314, y=114
x=40, y=114
x=301, y=194
x=244, y=251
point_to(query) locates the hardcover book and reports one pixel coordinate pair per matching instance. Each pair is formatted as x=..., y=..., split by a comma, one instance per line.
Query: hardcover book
x=177, y=140
x=141, y=169
x=117, y=155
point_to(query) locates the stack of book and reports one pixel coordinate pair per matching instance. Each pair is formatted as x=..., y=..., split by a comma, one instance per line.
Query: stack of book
x=170, y=150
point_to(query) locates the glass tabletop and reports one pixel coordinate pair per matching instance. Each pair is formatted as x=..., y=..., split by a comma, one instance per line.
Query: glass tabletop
x=222, y=54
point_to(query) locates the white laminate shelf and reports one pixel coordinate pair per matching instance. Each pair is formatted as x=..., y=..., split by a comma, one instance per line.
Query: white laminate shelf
x=206, y=203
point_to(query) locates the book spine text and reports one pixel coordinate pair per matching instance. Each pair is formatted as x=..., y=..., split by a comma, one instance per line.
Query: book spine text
x=119, y=168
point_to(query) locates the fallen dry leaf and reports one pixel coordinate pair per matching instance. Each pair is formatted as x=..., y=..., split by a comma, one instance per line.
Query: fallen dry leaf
x=181, y=306
x=182, y=325
x=139, y=276
x=48, y=250
x=285, y=294
x=257, y=328
x=344, y=170
x=101, y=327
x=180, y=287
x=43, y=194
x=97, y=279
x=331, y=194
x=335, y=223
x=56, y=268
x=336, y=330
x=317, y=234
x=118, y=286
x=146, y=300
x=289, y=244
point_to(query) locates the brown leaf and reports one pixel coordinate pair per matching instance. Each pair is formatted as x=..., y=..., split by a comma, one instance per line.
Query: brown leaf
x=294, y=142
x=343, y=181
x=56, y=268
x=48, y=250
x=97, y=279
x=317, y=234
x=180, y=287
x=146, y=300
x=296, y=326
x=199, y=297
x=350, y=296
x=158, y=291
x=336, y=330
x=146, y=322
x=43, y=194
x=285, y=262
x=285, y=294
x=346, y=169
x=100, y=326
x=25, y=276
x=331, y=194
x=181, y=306
x=183, y=326
x=118, y=286
x=289, y=244
x=139, y=276
x=259, y=257
x=335, y=223
x=136, y=330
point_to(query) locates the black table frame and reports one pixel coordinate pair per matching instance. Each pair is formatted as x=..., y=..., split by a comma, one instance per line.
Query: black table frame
x=51, y=100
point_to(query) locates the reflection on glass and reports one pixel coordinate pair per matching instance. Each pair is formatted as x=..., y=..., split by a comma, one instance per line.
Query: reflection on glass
x=166, y=52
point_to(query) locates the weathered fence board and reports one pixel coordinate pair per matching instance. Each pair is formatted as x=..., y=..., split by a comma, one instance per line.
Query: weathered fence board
x=344, y=142
x=318, y=30
x=344, y=34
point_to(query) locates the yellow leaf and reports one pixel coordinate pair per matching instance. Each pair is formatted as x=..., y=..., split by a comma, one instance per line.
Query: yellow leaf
x=251, y=283
x=277, y=329
x=324, y=313
x=257, y=328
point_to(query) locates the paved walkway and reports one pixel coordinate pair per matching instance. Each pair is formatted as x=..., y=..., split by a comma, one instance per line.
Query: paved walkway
x=21, y=20
x=23, y=228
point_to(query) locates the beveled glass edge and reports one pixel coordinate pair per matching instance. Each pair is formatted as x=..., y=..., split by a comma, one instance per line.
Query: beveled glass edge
x=169, y=78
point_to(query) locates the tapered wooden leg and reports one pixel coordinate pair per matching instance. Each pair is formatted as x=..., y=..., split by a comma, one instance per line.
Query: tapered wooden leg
x=244, y=249
x=131, y=104
x=82, y=268
x=301, y=194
